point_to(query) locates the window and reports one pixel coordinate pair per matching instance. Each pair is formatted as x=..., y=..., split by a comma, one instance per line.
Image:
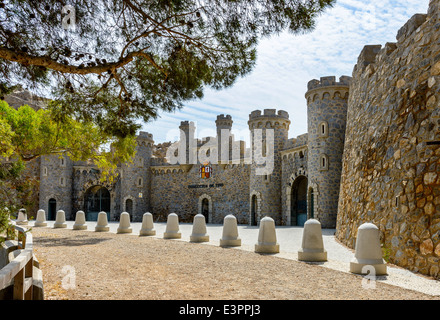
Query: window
x=140, y=162
x=140, y=182
x=323, y=129
x=63, y=181
x=62, y=162
x=323, y=162
x=45, y=171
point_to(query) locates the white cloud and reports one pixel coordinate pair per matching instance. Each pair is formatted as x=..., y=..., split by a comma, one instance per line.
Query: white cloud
x=286, y=63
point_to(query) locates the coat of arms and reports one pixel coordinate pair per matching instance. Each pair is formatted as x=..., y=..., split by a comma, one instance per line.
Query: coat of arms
x=205, y=171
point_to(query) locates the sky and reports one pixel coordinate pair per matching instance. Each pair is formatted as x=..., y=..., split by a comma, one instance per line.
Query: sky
x=287, y=62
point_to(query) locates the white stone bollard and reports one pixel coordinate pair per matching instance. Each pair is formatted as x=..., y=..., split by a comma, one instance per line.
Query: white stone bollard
x=368, y=253
x=41, y=219
x=172, y=229
x=147, y=228
x=80, y=221
x=267, y=238
x=102, y=223
x=312, y=248
x=230, y=232
x=22, y=218
x=60, y=221
x=124, y=223
x=199, y=233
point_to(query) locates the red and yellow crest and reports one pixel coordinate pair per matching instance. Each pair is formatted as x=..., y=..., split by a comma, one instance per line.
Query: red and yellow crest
x=205, y=171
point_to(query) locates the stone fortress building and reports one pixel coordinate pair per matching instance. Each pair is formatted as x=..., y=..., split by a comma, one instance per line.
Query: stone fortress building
x=303, y=183
x=371, y=154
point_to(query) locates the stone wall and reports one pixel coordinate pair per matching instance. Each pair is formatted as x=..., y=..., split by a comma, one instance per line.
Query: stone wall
x=179, y=189
x=391, y=167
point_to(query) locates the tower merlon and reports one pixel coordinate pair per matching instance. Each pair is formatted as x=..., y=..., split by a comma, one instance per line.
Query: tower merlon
x=328, y=84
x=223, y=120
x=268, y=113
x=143, y=135
x=344, y=81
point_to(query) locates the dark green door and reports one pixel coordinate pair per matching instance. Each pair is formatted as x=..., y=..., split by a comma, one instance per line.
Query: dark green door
x=298, y=202
x=97, y=199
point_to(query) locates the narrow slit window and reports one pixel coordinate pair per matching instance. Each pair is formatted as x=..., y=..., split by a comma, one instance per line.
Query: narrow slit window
x=323, y=129
x=324, y=162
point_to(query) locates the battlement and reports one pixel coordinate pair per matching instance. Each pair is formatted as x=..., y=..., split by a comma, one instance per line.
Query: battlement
x=408, y=28
x=223, y=120
x=185, y=125
x=268, y=113
x=328, y=82
x=223, y=117
x=434, y=7
x=145, y=135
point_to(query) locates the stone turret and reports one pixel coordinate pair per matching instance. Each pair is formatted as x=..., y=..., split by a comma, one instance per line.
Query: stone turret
x=136, y=178
x=56, y=185
x=327, y=113
x=188, y=143
x=269, y=134
x=224, y=125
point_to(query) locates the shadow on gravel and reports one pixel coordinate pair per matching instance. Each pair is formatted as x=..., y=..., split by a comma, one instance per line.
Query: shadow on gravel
x=79, y=240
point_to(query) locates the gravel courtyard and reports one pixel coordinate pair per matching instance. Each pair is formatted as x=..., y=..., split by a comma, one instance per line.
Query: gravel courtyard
x=115, y=266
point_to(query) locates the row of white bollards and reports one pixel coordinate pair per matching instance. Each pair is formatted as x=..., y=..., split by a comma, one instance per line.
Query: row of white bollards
x=368, y=253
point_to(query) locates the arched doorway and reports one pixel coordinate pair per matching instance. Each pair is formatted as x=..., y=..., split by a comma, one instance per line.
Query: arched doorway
x=254, y=207
x=129, y=207
x=298, y=202
x=52, y=209
x=205, y=209
x=97, y=199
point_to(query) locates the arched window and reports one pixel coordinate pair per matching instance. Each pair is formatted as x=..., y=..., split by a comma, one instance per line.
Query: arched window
x=62, y=181
x=62, y=162
x=140, y=182
x=45, y=171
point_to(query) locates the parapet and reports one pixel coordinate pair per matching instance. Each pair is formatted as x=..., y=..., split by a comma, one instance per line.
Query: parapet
x=186, y=124
x=145, y=138
x=434, y=8
x=223, y=120
x=408, y=28
x=223, y=117
x=268, y=113
x=328, y=81
x=145, y=135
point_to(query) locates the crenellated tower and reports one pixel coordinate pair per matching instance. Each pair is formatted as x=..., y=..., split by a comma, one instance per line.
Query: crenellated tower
x=269, y=134
x=56, y=181
x=136, y=178
x=327, y=113
x=224, y=125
